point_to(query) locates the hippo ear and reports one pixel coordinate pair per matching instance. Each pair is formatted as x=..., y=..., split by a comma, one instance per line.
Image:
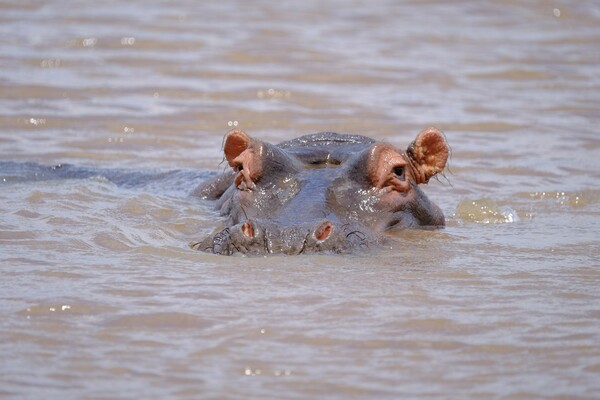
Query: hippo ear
x=428, y=154
x=235, y=144
x=240, y=153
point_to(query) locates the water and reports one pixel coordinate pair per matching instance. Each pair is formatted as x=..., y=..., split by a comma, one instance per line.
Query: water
x=102, y=298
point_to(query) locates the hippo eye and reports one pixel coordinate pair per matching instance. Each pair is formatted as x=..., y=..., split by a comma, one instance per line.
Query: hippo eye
x=239, y=167
x=399, y=171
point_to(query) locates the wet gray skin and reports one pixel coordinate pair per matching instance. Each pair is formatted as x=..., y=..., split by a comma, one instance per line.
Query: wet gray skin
x=324, y=192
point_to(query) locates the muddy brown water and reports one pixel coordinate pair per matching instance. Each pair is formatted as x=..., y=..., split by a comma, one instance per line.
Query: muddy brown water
x=102, y=298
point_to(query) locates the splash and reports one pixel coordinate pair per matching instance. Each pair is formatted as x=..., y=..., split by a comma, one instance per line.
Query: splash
x=485, y=211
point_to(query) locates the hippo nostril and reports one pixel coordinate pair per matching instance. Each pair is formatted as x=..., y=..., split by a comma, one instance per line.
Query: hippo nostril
x=323, y=231
x=248, y=229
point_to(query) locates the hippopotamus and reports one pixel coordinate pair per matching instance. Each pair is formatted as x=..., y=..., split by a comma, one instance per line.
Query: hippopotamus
x=323, y=192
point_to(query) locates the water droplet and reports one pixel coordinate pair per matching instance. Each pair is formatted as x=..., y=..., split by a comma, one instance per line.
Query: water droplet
x=127, y=41
x=556, y=12
x=50, y=63
x=37, y=121
x=89, y=42
x=65, y=307
x=248, y=371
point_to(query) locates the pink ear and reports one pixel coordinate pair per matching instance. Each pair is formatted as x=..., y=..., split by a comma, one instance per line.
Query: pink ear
x=235, y=143
x=240, y=152
x=428, y=154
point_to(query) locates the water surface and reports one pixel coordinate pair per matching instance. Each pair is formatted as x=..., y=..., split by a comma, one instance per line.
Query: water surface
x=102, y=298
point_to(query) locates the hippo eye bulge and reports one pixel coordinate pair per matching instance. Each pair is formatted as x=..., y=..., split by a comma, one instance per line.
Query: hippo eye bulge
x=399, y=172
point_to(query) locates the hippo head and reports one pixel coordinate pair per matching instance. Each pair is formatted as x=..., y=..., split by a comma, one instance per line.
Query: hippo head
x=321, y=192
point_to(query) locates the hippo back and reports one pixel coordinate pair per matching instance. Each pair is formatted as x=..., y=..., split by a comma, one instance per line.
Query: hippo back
x=326, y=147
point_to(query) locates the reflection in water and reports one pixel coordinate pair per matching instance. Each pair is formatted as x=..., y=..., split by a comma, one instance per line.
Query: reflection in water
x=100, y=293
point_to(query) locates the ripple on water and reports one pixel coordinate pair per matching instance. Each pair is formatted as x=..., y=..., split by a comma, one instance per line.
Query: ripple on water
x=159, y=321
x=112, y=241
x=59, y=274
x=568, y=199
x=16, y=235
x=28, y=214
x=66, y=307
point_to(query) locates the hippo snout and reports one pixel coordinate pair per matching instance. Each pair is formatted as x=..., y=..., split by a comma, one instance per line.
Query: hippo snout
x=254, y=237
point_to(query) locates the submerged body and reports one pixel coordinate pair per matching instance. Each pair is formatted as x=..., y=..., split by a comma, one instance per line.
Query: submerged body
x=321, y=192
